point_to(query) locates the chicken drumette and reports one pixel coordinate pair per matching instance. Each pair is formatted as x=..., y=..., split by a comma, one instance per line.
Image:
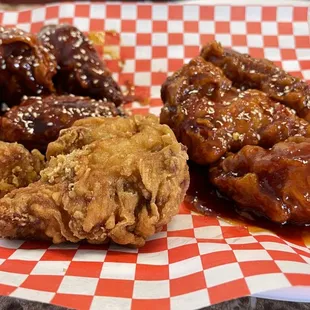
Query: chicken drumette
x=37, y=121
x=222, y=102
x=26, y=68
x=211, y=117
x=19, y=167
x=274, y=183
x=107, y=178
x=248, y=72
x=81, y=70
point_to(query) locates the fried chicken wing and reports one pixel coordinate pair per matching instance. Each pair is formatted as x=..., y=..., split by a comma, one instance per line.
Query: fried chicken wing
x=37, y=121
x=86, y=131
x=19, y=167
x=273, y=183
x=247, y=72
x=123, y=184
x=81, y=70
x=211, y=117
x=25, y=66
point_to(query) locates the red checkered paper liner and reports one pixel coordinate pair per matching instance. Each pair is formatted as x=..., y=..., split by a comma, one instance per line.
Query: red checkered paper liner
x=196, y=260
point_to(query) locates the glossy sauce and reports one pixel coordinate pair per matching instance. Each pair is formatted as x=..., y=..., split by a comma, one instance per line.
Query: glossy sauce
x=202, y=197
x=25, y=67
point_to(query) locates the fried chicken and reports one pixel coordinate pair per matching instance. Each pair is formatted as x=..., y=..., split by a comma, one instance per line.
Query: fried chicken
x=81, y=70
x=273, y=183
x=211, y=117
x=19, y=167
x=37, y=121
x=123, y=180
x=25, y=66
x=247, y=72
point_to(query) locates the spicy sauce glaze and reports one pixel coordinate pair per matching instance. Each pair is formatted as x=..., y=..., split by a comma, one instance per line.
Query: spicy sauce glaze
x=203, y=198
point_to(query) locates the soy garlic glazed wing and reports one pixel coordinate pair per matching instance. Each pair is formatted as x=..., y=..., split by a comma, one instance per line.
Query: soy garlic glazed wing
x=122, y=184
x=81, y=71
x=273, y=183
x=25, y=66
x=247, y=72
x=211, y=117
x=38, y=121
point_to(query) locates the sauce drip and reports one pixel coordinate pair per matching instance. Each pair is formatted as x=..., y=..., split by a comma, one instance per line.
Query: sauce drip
x=202, y=197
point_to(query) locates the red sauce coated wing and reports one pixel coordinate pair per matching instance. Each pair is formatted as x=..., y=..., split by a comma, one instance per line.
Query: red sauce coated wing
x=26, y=68
x=274, y=183
x=37, y=121
x=80, y=69
x=211, y=117
x=248, y=72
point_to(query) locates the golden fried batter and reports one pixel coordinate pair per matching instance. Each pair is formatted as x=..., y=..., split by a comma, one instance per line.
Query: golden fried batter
x=19, y=167
x=119, y=179
x=273, y=183
x=247, y=72
x=211, y=117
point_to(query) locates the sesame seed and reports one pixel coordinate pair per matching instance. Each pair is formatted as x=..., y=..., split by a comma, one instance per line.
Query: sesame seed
x=236, y=136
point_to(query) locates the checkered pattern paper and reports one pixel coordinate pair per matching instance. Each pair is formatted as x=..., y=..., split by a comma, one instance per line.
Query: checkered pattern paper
x=196, y=260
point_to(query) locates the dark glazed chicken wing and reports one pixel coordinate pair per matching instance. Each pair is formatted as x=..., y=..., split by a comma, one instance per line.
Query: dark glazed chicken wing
x=211, y=117
x=19, y=167
x=25, y=66
x=274, y=183
x=37, y=121
x=247, y=72
x=123, y=185
x=81, y=71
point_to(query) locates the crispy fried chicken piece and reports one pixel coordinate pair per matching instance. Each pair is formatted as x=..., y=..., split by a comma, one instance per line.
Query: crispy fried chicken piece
x=247, y=72
x=81, y=70
x=19, y=167
x=86, y=131
x=123, y=185
x=37, y=121
x=273, y=183
x=25, y=67
x=211, y=117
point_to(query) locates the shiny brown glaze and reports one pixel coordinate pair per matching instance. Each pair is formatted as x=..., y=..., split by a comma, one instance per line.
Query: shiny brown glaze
x=26, y=68
x=211, y=117
x=272, y=182
x=247, y=72
x=80, y=69
x=203, y=197
x=37, y=121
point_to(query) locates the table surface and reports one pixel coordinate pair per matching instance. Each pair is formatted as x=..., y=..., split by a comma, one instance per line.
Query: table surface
x=244, y=303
